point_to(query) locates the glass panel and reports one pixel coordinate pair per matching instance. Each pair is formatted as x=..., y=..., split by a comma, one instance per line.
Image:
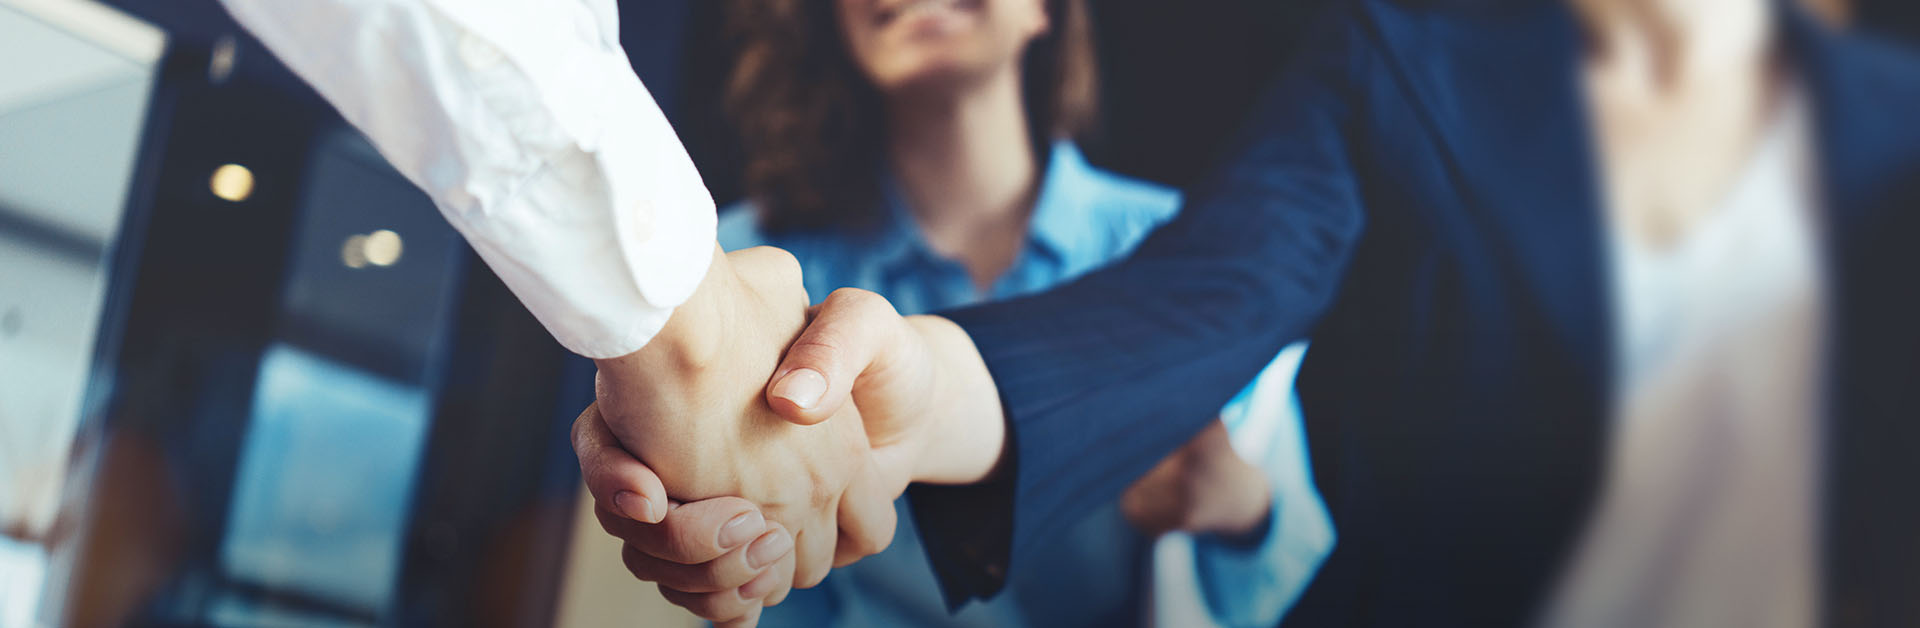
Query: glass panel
x=320, y=498
x=74, y=84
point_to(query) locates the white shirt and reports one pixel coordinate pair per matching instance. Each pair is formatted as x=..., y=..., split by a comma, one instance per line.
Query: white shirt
x=525, y=124
x=1709, y=514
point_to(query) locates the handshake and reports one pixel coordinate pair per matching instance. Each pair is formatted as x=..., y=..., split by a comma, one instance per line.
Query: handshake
x=756, y=443
x=730, y=486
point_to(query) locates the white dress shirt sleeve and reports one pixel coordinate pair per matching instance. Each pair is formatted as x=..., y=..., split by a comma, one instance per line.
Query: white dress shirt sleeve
x=524, y=123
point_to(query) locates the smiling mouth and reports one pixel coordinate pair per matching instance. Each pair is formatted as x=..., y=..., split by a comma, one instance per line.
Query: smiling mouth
x=891, y=11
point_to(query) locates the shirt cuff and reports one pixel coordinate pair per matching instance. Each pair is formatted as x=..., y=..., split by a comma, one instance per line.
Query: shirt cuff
x=612, y=231
x=967, y=532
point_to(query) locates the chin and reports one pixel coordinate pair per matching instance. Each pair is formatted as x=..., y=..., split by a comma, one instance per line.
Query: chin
x=942, y=80
x=933, y=70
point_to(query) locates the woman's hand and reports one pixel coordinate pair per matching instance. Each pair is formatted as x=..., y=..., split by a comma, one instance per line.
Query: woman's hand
x=930, y=407
x=1203, y=488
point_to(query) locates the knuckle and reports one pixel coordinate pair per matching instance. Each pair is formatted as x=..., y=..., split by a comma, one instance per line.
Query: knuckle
x=730, y=572
x=685, y=548
x=810, y=573
x=819, y=348
x=865, y=544
x=612, y=525
x=615, y=530
x=779, y=595
x=593, y=466
x=809, y=578
x=775, y=264
x=601, y=486
x=638, y=564
x=860, y=302
x=648, y=539
x=781, y=261
x=856, y=312
x=586, y=441
x=722, y=574
x=579, y=433
x=872, y=536
x=702, y=578
x=849, y=297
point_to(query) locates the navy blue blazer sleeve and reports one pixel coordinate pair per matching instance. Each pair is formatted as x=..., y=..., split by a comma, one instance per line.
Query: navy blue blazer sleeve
x=1106, y=375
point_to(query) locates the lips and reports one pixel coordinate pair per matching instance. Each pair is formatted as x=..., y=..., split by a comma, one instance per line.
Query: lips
x=888, y=12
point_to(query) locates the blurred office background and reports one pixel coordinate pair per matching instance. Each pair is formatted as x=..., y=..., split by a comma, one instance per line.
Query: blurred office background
x=249, y=377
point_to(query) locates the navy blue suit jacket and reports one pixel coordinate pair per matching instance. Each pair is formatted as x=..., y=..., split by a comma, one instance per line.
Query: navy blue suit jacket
x=1418, y=194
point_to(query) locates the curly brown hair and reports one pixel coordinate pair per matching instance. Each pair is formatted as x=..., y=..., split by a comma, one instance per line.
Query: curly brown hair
x=809, y=121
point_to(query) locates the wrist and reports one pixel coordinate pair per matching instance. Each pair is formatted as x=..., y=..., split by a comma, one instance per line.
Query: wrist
x=691, y=337
x=660, y=401
x=966, y=431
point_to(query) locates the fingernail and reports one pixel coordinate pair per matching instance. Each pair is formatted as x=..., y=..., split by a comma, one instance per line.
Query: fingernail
x=803, y=387
x=741, y=529
x=769, y=549
x=759, y=587
x=634, y=506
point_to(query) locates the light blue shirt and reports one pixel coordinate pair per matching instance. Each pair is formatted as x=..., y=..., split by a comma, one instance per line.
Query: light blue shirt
x=1097, y=573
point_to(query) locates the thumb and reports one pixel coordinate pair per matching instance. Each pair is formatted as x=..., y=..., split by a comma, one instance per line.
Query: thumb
x=850, y=335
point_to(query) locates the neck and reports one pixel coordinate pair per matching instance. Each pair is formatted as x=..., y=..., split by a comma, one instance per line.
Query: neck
x=1670, y=43
x=965, y=160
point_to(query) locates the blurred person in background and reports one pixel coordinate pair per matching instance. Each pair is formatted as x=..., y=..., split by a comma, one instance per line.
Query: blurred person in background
x=918, y=150
x=1623, y=341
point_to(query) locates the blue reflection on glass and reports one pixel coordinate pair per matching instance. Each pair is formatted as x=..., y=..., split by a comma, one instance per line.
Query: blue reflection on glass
x=23, y=567
x=326, y=472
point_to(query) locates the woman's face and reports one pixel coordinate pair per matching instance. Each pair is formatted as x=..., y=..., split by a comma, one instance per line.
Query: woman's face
x=912, y=45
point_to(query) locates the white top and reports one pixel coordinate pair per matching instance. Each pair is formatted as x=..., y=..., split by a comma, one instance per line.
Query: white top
x=1709, y=513
x=526, y=125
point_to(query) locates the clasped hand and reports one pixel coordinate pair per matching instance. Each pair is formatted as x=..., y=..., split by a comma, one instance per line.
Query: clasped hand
x=733, y=475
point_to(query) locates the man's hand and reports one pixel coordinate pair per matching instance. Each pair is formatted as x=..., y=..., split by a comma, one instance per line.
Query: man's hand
x=1203, y=488
x=719, y=558
x=691, y=405
x=926, y=402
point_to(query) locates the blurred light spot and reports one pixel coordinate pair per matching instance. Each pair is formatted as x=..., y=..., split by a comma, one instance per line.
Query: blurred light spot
x=380, y=248
x=10, y=323
x=232, y=182
x=220, y=67
x=354, y=252
x=383, y=248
